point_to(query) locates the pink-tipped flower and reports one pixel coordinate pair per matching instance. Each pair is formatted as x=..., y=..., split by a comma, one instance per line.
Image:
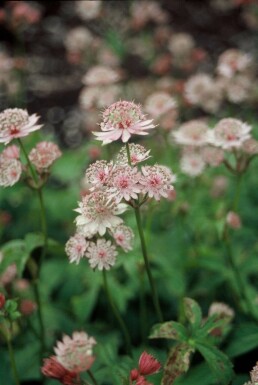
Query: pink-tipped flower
x=75, y=353
x=148, y=364
x=122, y=120
x=138, y=154
x=102, y=254
x=192, y=164
x=53, y=369
x=123, y=236
x=233, y=220
x=97, y=174
x=44, y=155
x=16, y=123
x=192, y=133
x=230, y=133
x=11, y=152
x=157, y=181
x=75, y=248
x=97, y=213
x=10, y=171
x=124, y=183
x=159, y=103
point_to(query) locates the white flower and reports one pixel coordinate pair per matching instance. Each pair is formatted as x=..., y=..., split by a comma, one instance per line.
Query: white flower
x=101, y=254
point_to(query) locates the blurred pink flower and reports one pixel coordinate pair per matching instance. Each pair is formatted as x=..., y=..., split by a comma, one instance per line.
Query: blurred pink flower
x=122, y=120
x=75, y=248
x=10, y=171
x=16, y=123
x=53, y=369
x=233, y=220
x=229, y=133
x=192, y=164
x=11, y=152
x=44, y=155
x=102, y=254
x=159, y=103
x=212, y=156
x=27, y=307
x=192, y=133
x=100, y=75
x=157, y=181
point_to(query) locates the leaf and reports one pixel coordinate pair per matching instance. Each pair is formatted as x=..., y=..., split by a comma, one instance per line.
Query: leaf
x=193, y=312
x=83, y=305
x=170, y=330
x=178, y=362
x=14, y=252
x=199, y=374
x=244, y=339
x=32, y=241
x=213, y=323
x=218, y=362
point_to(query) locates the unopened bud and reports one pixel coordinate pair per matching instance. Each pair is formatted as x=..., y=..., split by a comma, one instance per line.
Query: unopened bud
x=2, y=300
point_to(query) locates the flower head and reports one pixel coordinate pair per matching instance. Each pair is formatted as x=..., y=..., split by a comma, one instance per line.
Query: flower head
x=44, y=155
x=102, y=254
x=75, y=248
x=148, y=364
x=100, y=75
x=137, y=154
x=75, y=353
x=192, y=133
x=124, y=183
x=122, y=120
x=123, y=236
x=10, y=171
x=16, y=123
x=233, y=220
x=53, y=369
x=221, y=309
x=98, y=173
x=192, y=164
x=157, y=181
x=159, y=103
x=11, y=152
x=230, y=133
x=212, y=156
x=97, y=213
x=254, y=374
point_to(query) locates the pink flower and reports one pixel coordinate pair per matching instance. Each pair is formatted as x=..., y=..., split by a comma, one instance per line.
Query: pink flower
x=98, y=174
x=192, y=164
x=10, y=171
x=254, y=374
x=148, y=364
x=44, y=155
x=100, y=75
x=16, y=123
x=233, y=220
x=75, y=353
x=156, y=181
x=2, y=301
x=123, y=236
x=212, y=156
x=53, y=369
x=75, y=248
x=101, y=254
x=97, y=213
x=88, y=10
x=122, y=120
x=192, y=133
x=27, y=307
x=124, y=183
x=137, y=154
x=159, y=103
x=11, y=152
x=230, y=133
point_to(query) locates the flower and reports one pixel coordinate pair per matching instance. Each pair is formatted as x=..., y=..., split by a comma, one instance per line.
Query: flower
x=181, y=45
x=44, y=155
x=97, y=213
x=2, y=301
x=75, y=248
x=122, y=120
x=88, y=9
x=233, y=220
x=100, y=75
x=192, y=133
x=159, y=103
x=250, y=146
x=148, y=364
x=123, y=236
x=156, y=181
x=137, y=154
x=16, y=123
x=98, y=173
x=75, y=353
x=11, y=152
x=101, y=254
x=232, y=61
x=254, y=374
x=10, y=171
x=221, y=309
x=192, y=164
x=53, y=369
x=78, y=39
x=212, y=156
x=124, y=183
x=229, y=133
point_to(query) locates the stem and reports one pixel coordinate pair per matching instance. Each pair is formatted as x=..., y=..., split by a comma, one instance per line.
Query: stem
x=43, y=225
x=92, y=377
x=32, y=171
x=117, y=315
x=147, y=265
x=12, y=359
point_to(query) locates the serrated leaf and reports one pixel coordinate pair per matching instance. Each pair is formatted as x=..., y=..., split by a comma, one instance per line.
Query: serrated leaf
x=244, y=339
x=213, y=323
x=178, y=362
x=170, y=330
x=193, y=312
x=218, y=362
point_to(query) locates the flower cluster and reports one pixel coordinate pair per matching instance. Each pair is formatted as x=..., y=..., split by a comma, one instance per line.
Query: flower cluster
x=147, y=365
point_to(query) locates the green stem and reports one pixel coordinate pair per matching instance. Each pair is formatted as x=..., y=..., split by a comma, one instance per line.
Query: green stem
x=32, y=171
x=43, y=225
x=147, y=265
x=92, y=377
x=117, y=315
x=12, y=359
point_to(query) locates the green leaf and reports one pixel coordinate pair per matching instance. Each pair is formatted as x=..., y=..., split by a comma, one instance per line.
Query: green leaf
x=199, y=374
x=32, y=241
x=14, y=252
x=218, y=362
x=193, y=312
x=170, y=330
x=213, y=323
x=244, y=339
x=178, y=362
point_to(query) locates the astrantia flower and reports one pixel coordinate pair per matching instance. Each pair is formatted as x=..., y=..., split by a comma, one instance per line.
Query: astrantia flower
x=137, y=154
x=250, y=146
x=233, y=220
x=11, y=152
x=44, y=155
x=123, y=236
x=124, y=183
x=254, y=374
x=97, y=213
x=147, y=366
x=10, y=171
x=53, y=369
x=159, y=103
x=221, y=309
x=102, y=254
x=75, y=248
x=16, y=123
x=212, y=156
x=229, y=133
x=192, y=133
x=192, y=164
x=122, y=120
x=232, y=61
x=157, y=181
x=75, y=353
x=100, y=75
x=98, y=173
x=88, y=10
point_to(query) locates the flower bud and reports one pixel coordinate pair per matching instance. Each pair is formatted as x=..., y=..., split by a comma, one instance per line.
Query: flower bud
x=2, y=301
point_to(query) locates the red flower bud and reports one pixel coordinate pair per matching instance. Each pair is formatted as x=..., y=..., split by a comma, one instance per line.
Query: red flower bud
x=2, y=300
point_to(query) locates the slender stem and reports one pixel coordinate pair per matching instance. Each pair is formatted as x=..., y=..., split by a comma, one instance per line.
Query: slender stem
x=12, y=359
x=43, y=225
x=117, y=315
x=92, y=377
x=147, y=265
x=32, y=171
